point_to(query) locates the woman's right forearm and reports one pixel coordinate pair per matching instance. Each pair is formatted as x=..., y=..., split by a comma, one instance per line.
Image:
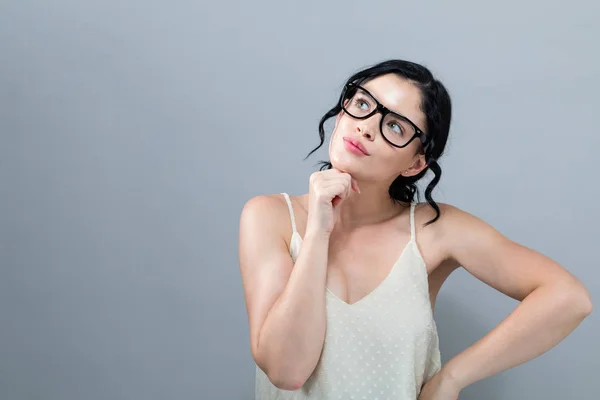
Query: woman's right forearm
x=291, y=338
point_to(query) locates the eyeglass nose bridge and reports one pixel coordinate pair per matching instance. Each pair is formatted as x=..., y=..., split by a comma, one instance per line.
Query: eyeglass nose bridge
x=381, y=109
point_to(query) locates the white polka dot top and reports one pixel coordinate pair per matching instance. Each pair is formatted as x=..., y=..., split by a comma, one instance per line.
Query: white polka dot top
x=382, y=347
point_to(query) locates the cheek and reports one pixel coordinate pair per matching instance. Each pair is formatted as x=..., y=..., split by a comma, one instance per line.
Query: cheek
x=396, y=160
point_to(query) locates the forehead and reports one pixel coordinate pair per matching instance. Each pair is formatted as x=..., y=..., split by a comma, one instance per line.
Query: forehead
x=399, y=95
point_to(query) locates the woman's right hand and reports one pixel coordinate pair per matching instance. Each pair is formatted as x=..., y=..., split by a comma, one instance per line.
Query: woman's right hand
x=327, y=190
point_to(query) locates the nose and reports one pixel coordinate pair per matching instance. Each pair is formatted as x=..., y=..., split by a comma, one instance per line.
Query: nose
x=367, y=128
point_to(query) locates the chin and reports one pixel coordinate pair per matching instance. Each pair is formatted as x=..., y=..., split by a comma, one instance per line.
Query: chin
x=344, y=161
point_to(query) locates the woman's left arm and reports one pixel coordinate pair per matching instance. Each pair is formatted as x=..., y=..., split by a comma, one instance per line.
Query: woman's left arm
x=553, y=302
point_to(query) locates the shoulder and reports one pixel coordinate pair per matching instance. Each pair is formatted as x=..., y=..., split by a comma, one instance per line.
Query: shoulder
x=450, y=225
x=266, y=213
x=264, y=221
x=264, y=207
x=457, y=229
x=448, y=214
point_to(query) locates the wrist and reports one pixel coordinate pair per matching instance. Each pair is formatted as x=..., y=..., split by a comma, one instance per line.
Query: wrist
x=319, y=234
x=451, y=377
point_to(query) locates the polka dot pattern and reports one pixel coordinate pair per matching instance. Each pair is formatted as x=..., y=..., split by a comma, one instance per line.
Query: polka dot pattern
x=385, y=346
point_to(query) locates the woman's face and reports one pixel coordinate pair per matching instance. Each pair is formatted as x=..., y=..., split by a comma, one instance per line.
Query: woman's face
x=384, y=162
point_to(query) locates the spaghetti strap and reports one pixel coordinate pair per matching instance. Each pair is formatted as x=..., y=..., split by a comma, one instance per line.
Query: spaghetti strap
x=412, y=220
x=289, y=203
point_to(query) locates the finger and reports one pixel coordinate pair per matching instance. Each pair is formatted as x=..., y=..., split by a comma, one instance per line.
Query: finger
x=355, y=185
x=347, y=182
x=352, y=183
x=341, y=190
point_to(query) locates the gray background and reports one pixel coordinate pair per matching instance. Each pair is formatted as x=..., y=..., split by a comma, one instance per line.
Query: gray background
x=133, y=132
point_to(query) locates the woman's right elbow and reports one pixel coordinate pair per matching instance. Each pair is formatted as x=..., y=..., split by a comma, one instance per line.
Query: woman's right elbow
x=284, y=382
x=281, y=379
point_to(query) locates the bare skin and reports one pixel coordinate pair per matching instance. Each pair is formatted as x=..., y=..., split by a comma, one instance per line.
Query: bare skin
x=361, y=260
x=352, y=253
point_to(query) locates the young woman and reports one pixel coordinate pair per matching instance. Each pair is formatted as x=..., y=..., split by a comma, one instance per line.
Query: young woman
x=340, y=283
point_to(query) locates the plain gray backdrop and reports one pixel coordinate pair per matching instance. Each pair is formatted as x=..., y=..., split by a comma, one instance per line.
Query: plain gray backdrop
x=133, y=132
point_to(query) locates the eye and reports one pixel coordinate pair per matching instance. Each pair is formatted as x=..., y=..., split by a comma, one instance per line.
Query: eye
x=395, y=127
x=360, y=103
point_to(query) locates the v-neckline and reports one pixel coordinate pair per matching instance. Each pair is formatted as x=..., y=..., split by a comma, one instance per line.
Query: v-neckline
x=376, y=289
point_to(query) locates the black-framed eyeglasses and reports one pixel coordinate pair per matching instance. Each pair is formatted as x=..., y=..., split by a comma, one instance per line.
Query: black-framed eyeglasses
x=395, y=128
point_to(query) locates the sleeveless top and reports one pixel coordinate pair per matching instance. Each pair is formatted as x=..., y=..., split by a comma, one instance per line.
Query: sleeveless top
x=384, y=346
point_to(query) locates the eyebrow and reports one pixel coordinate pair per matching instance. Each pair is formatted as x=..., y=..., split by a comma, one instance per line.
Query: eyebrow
x=393, y=111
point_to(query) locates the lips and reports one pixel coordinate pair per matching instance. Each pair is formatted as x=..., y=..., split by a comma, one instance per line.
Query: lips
x=357, y=144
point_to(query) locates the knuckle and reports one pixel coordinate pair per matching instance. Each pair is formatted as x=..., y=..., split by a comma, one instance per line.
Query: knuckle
x=314, y=177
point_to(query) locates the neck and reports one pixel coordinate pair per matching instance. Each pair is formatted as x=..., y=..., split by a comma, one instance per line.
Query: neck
x=371, y=206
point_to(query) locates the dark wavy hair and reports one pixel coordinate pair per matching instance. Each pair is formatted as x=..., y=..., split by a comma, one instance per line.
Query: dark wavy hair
x=437, y=107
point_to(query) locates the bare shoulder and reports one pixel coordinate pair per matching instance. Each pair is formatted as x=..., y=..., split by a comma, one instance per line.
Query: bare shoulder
x=264, y=206
x=457, y=230
x=455, y=223
x=265, y=214
x=431, y=238
x=449, y=216
x=425, y=212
